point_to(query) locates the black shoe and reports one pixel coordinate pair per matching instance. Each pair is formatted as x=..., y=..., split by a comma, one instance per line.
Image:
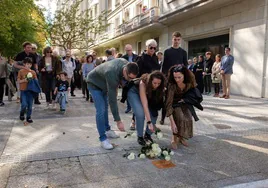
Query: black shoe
x=91, y=100
x=2, y=104
x=29, y=120
x=141, y=141
x=147, y=137
x=22, y=118
x=37, y=102
x=87, y=99
x=127, y=110
x=73, y=95
x=162, y=122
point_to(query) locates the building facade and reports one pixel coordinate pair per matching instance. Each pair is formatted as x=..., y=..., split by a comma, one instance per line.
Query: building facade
x=205, y=25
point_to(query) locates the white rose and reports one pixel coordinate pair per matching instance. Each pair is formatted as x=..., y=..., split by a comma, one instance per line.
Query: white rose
x=159, y=135
x=131, y=156
x=154, y=145
x=171, y=153
x=167, y=158
x=142, y=156
x=152, y=155
x=134, y=134
x=29, y=75
x=165, y=153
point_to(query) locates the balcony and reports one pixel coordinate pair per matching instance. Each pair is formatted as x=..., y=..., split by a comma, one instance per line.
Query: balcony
x=138, y=21
x=149, y=17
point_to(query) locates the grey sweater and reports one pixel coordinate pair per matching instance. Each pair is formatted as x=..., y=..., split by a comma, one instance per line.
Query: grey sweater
x=106, y=77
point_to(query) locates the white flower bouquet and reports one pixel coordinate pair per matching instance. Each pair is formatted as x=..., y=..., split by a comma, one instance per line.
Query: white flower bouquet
x=29, y=76
x=151, y=151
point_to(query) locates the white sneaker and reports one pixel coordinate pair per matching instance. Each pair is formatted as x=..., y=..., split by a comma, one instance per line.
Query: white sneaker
x=106, y=145
x=111, y=134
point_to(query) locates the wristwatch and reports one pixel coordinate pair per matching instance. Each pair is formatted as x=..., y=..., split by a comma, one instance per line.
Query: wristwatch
x=149, y=122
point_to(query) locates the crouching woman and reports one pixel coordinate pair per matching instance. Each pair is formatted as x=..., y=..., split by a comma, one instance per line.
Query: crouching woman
x=146, y=98
x=181, y=98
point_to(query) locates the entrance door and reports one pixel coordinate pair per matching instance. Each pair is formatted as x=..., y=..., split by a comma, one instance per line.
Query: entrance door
x=214, y=44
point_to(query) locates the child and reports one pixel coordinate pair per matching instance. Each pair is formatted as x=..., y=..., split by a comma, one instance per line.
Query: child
x=26, y=96
x=61, y=87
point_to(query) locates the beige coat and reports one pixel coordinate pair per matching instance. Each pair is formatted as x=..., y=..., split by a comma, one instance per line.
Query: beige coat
x=216, y=70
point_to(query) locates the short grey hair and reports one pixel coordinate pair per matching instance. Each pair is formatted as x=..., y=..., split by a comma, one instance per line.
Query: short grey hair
x=151, y=42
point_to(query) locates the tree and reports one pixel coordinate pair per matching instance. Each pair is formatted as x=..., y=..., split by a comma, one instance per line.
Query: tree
x=72, y=28
x=18, y=25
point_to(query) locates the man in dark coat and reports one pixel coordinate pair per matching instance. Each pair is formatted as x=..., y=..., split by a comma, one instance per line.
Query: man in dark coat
x=130, y=57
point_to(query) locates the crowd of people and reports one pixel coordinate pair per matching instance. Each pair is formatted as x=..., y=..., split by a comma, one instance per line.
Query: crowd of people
x=150, y=82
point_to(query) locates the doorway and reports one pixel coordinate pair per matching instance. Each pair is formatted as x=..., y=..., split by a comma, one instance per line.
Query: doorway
x=214, y=44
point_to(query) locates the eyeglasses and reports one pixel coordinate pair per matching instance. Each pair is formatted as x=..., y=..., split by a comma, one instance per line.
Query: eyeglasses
x=49, y=52
x=152, y=48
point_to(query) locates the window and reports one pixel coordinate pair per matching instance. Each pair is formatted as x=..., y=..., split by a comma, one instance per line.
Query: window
x=117, y=2
x=139, y=9
x=117, y=22
x=96, y=10
x=109, y=4
x=126, y=15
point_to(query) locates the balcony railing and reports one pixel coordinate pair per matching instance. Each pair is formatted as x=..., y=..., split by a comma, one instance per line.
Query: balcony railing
x=138, y=21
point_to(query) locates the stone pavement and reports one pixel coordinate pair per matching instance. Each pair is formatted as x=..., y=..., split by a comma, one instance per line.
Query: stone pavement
x=229, y=148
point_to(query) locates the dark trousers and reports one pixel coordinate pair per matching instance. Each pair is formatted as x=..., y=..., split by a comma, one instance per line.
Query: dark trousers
x=2, y=84
x=217, y=88
x=50, y=83
x=86, y=89
x=207, y=83
x=72, y=86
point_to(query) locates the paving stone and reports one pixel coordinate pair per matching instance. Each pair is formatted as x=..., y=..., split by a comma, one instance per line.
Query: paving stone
x=4, y=174
x=29, y=181
x=95, y=160
x=102, y=172
x=237, y=180
x=66, y=176
x=62, y=163
x=29, y=168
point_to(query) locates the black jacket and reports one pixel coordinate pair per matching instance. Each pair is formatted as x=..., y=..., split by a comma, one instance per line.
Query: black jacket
x=147, y=64
x=134, y=57
x=192, y=98
x=173, y=57
x=208, y=65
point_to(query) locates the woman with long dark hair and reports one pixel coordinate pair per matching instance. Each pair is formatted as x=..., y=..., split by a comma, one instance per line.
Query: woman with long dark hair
x=146, y=98
x=49, y=68
x=180, y=81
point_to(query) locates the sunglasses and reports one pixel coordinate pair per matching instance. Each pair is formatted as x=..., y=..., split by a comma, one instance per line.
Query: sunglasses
x=152, y=48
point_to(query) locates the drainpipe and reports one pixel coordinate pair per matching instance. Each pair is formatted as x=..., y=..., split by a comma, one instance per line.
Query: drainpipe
x=265, y=58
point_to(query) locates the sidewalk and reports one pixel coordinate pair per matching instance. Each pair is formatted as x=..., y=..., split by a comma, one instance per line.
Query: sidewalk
x=230, y=146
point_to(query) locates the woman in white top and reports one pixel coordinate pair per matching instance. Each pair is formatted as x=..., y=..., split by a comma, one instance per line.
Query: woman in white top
x=216, y=76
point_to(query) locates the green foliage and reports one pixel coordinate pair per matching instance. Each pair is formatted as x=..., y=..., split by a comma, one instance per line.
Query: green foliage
x=17, y=25
x=74, y=29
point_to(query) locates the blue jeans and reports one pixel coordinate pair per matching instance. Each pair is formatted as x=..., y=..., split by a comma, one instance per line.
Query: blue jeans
x=26, y=98
x=100, y=99
x=128, y=106
x=135, y=102
x=61, y=97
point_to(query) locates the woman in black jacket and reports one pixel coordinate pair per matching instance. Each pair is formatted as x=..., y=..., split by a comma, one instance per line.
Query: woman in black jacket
x=198, y=71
